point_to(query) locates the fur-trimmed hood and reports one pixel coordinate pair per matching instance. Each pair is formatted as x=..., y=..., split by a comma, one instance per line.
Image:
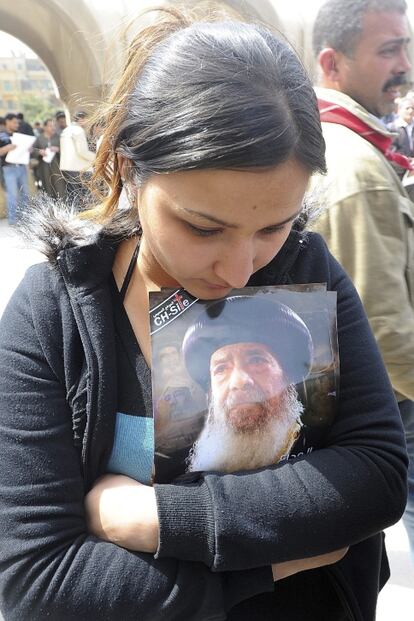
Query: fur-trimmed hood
x=51, y=226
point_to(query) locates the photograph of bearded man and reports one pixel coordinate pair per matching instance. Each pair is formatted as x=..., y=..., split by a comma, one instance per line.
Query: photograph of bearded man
x=247, y=353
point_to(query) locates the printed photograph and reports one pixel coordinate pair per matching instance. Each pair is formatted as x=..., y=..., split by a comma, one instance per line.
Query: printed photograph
x=242, y=382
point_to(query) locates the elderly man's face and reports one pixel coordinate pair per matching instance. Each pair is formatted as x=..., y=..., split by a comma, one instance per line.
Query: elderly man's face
x=246, y=384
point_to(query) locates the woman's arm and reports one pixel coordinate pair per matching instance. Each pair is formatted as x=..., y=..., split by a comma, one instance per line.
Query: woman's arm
x=279, y=500
x=123, y=511
x=329, y=499
x=50, y=567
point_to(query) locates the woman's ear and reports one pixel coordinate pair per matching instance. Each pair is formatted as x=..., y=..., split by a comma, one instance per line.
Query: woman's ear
x=122, y=167
x=129, y=187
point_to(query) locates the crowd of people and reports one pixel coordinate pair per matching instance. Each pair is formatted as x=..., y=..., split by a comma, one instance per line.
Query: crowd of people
x=212, y=138
x=59, y=158
x=401, y=123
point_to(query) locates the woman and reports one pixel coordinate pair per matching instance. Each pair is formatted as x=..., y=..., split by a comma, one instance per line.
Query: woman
x=211, y=137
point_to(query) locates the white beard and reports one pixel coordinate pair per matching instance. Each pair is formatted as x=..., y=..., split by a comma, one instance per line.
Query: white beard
x=219, y=447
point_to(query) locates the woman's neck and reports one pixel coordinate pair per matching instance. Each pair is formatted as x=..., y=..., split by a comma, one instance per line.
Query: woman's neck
x=153, y=275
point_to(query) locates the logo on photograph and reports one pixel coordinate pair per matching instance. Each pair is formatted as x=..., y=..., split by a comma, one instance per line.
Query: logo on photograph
x=171, y=308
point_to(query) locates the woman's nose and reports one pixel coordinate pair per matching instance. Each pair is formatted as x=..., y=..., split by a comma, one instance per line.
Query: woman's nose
x=235, y=266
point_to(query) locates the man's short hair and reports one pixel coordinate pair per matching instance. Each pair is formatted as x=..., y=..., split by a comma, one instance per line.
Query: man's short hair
x=20, y=116
x=60, y=115
x=247, y=319
x=338, y=23
x=10, y=116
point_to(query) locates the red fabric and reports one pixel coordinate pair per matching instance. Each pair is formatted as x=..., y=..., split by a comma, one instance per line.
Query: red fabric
x=333, y=113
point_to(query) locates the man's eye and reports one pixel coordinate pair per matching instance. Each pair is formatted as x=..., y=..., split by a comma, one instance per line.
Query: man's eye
x=203, y=232
x=219, y=369
x=258, y=360
x=389, y=51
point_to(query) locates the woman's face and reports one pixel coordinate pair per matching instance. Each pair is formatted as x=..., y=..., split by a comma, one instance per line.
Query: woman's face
x=208, y=231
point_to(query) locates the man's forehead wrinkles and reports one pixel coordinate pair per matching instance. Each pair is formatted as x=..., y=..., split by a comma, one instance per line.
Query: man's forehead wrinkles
x=217, y=358
x=240, y=349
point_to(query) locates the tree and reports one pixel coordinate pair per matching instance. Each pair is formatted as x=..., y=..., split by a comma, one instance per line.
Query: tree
x=37, y=108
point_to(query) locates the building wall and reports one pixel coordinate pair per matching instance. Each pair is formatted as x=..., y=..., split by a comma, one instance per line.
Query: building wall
x=23, y=77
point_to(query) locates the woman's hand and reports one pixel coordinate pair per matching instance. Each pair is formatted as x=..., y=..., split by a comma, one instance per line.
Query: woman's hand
x=288, y=568
x=123, y=511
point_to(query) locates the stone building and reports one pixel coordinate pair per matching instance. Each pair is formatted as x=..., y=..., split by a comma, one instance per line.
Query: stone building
x=22, y=77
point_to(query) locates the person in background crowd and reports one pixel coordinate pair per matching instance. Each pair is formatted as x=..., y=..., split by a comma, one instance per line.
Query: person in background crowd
x=76, y=159
x=15, y=175
x=47, y=171
x=404, y=125
x=389, y=118
x=24, y=126
x=37, y=128
x=60, y=122
x=2, y=129
x=213, y=133
x=361, y=47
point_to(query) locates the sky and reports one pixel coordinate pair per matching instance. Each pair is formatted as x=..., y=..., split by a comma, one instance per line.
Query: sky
x=9, y=43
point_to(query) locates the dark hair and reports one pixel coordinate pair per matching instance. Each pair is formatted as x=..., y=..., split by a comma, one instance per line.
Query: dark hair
x=338, y=23
x=208, y=95
x=46, y=121
x=60, y=114
x=20, y=116
x=2, y=120
x=10, y=116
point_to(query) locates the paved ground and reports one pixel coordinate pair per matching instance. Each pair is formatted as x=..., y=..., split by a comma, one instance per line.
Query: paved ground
x=397, y=599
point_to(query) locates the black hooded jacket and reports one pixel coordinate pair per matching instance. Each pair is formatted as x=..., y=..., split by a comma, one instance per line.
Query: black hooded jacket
x=219, y=533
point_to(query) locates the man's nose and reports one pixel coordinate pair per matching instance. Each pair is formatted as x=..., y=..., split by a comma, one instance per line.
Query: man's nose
x=235, y=266
x=404, y=65
x=239, y=378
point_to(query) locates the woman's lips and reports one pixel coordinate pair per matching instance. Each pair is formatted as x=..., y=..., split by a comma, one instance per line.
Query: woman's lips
x=214, y=286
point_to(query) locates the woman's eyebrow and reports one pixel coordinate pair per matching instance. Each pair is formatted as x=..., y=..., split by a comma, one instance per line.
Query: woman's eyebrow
x=206, y=216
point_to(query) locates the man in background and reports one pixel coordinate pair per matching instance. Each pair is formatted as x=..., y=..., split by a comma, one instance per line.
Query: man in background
x=60, y=122
x=2, y=130
x=14, y=175
x=76, y=159
x=361, y=47
x=24, y=126
x=404, y=125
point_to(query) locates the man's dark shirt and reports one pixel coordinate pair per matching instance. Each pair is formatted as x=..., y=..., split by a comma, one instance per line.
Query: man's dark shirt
x=5, y=138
